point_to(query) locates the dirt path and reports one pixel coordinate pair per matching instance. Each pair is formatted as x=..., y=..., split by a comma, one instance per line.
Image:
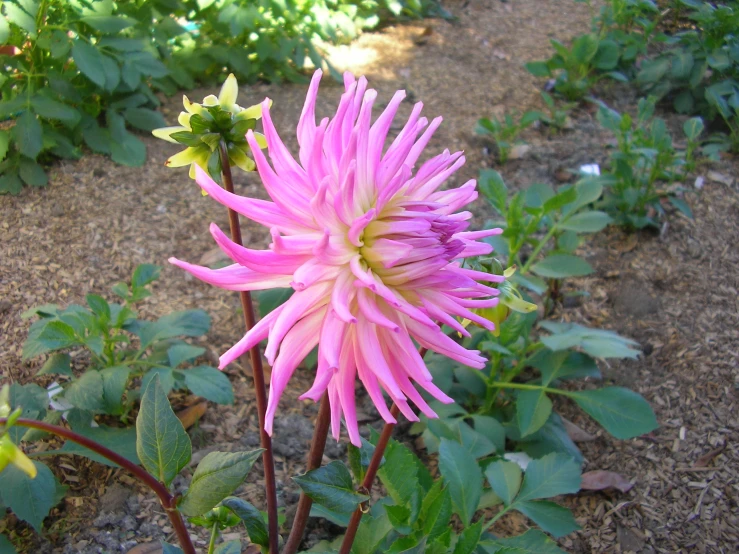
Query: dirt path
x=676, y=295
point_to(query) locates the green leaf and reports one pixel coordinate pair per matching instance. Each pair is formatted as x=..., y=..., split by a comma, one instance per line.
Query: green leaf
x=588, y=191
x=183, y=352
x=268, y=300
x=331, y=487
x=32, y=173
x=538, y=69
x=24, y=19
x=532, y=410
x=251, y=517
x=493, y=187
x=560, y=200
x=115, y=380
x=436, y=510
x=682, y=206
x=584, y=48
x=165, y=376
x=463, y=476
x=216, y=477
x=552, y=518
x=4, y=141
x=599, y=343
x=57, y=364
x=606, y=57
x=145, y=274
x=230, y=547
x=30, y=499
x=586, y=222
x=359, y=458
x=399, y=517
x=531, y=542
x=109, y=24
x=549, y=476
x=90, y=62
x=128, y=150
x=86, y=392
x=559, y=266
x=469, y=538
x=505, y=479
x=144, y=118
x=120, y=440
x=33, y=400
x=682, y=64
x=99, y=306
x=170, y=549
x=622, y=412
x=188, y=323
x=162, y=444
x=399, y=474
x=4, y=36
x=53, y=109
x=370, y=534
x=492, y=429
x=28, y=135
x=209, y=383
x=693, y=127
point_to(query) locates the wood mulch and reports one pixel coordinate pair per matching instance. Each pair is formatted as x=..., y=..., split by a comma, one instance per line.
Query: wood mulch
x=674, y=292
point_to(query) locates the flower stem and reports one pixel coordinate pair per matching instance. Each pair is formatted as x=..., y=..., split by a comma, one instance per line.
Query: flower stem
x=168, y=500
x=369, y=477
x=257, y=370
x=315, y=456
x=213, y=537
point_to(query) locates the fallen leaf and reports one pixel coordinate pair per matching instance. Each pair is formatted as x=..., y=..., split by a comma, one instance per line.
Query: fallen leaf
x=519, y=151
x=189, y=416
x=576, y=433
x=600, y=479
x=147, y=548
x=720, y=178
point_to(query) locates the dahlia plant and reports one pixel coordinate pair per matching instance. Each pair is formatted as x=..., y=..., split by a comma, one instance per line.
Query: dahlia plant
x=373, y=248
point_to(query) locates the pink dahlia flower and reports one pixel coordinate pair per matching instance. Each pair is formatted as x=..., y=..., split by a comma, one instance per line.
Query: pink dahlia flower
x=371, y=246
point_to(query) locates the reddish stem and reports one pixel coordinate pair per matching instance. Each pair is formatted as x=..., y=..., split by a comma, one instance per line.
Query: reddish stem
x=257, y=370
x=314, y=461
x=369, y=477
x=168, y=501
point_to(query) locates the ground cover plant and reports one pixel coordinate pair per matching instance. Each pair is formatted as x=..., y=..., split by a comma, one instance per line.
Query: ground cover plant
x=80, y=73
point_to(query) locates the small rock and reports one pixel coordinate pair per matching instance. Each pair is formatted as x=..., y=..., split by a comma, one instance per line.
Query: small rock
x=5, y=306
x=519, y=151
x=631, y=299
x=114, y=499
x=57, y=210
x=108, y=518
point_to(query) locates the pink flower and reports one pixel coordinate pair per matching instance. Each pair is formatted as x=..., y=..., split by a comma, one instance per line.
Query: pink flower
x=372, y=247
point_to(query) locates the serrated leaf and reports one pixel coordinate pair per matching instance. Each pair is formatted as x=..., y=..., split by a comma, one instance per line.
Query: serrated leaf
x=560, y=266
x=115, y=380
x=26, y=20
x=251, y=517
x=144, y=118
x=463, y=476
x=331, y=486
x=29, y=135
x=162, y=443
x=532, y=410
x=210, y=383
x=86, y=392
x=469, y=538
x=552, y=518
x=505, y=479
x=560, y=200
x=359, y=458
x=436, y=510
x=493, y=187
x=57, y=364
x=188, y=323
x=622, y=412
x=549, y=476
x=53, y=109
x=30, y=499
x=216, y=477
x=399, y=474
